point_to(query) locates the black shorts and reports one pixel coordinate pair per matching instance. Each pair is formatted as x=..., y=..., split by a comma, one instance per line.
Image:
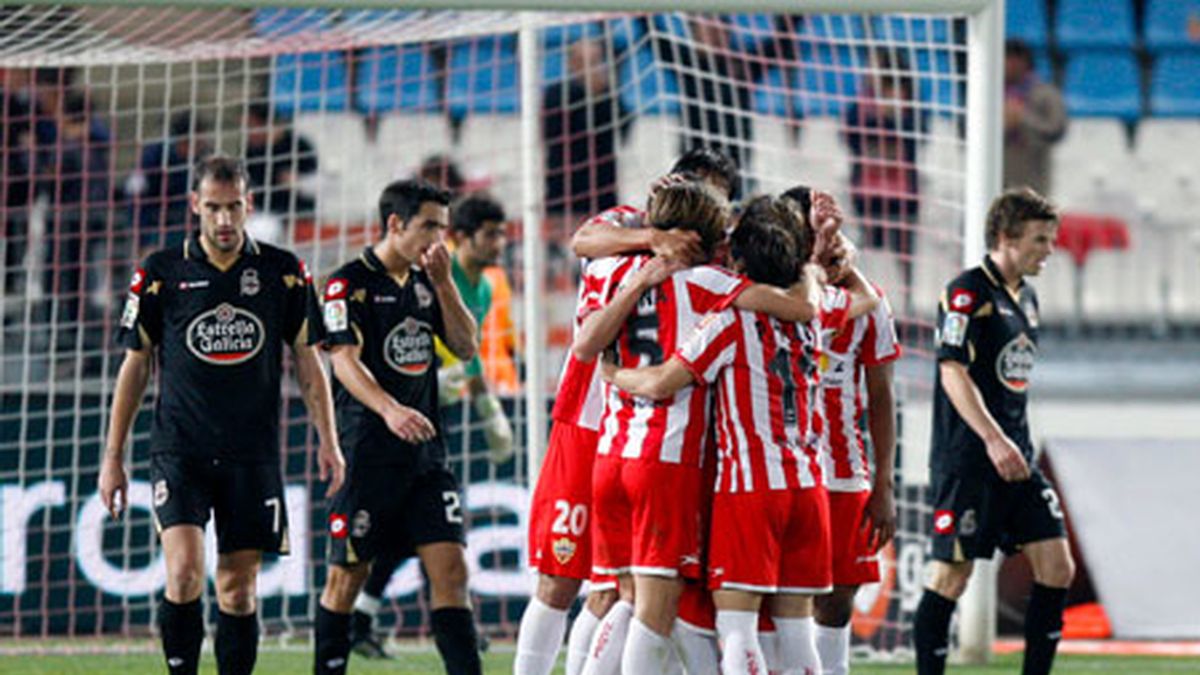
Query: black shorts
x=973, y=516
x=246, y=500
x=393, y=510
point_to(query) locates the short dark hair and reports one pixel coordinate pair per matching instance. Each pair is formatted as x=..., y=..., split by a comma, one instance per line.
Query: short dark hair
x=1019, y=49
x=1011, y=210
x=471, y=212
x=221, y=169
x=695, y=207
x=403, y=198
x=261, y=110
x=703, y=162
x=181, y=124
x=802, y=196
x=770, y=240
x=441, y=170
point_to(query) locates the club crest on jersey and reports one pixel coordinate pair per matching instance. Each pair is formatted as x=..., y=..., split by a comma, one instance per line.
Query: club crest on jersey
x=943, y=522
x=564, y=550
x=408, y=349
x=1015, y=363
x=336, y=289
x=250, y=283
x=225, y=336
x=338, y=526
x=424, y=297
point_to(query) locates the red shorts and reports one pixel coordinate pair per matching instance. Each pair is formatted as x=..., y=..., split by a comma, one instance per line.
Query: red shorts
x=560, y=534
x=696, y=609
x=774, y=541
x=647, y=518
x=854, y=563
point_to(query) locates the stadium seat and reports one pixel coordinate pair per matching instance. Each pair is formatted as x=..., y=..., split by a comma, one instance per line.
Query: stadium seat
x=832, y=56
x=274, y=22
x=1172, y=24
x=483, y=76
x=930, y=46
x=824, y=155
x=1025, y=20
x=647, y=88
x=771, y=93
x=396, y=78
x=309, y=81
x=1163, y=140
x=751, y=33
x=405, y=140
x=340, y=143
x=1043, y=65
x=1175, y=85
x=626, y=32
x=558, y=37
x=1103, y=84
x=1093, y=156
x=1088, y=24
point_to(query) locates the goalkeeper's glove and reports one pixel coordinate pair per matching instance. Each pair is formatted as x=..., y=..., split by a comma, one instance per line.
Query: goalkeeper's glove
x=452, y=383
x=496, y=428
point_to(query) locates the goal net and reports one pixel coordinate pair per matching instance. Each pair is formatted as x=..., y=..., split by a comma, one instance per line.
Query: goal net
x=105, y=109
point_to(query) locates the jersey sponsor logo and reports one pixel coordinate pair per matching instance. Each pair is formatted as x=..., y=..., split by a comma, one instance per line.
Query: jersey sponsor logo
x=408, y=349
x=335, y=316
x=336, y=289
x=225, y=336
x=424, y=297
x=954, y=328
x=384, y=299
x=189, y=285
x=564, y=550
x=249, y=282
x=339, y=528
x=130, y=314
x=943, y=522
x=962, y=300
x=136, y=281
x=1015, y=363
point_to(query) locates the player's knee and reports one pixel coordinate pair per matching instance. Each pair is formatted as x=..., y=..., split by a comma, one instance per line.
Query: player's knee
x=185, y=583
x=557, y=592
x=834, y=609
x=237, y=599
x=949, y=580
x=599, y=602
x=342, y=586
x=1060, y=573
x=450, y=577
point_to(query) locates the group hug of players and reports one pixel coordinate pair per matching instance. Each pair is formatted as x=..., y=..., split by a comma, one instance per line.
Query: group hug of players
x=705, y=468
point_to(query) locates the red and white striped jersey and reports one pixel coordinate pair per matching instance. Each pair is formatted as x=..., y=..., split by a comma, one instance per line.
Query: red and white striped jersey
x=869, y=340
x=671, y=431
x=618, y=216
x=764, y=371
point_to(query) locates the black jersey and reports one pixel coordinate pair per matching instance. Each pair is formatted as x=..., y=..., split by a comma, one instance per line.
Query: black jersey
x=395, y=326
x=993, y=331
x=220, y=338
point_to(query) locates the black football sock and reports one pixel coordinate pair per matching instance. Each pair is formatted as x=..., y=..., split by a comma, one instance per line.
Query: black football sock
x=931, y=632
x=182, y=630
x=454, y=633
x=1043, y=628
x=237, y=643
x=333, y=642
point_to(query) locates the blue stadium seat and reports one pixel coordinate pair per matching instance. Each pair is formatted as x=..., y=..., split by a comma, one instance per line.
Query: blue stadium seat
x=281, y=22
x=834, y=27
x=558, y=37
x=771, y=93
x=928, y=44
x=391, y=78
x=1088, y=24
x=1043, y=65
x=1175, y=85
x=1025, y=20
x=912, y=29
x=1103, y=84
x=751, y=33
x=625, y=32
x=828, y=78
x=483, y=76
x=646, y=86
x=1172, y=24
x=310, y=81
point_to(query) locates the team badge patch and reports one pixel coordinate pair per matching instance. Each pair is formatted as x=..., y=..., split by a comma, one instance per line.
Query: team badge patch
x=130, y=314
x=424, y=297
x=943, y=522
x=564, y=550
x=136, y=281
x=335, y=315
x=250, y=282
x=954, y=328
x=962, y=300
x=225, y=336
x=338, y=527
x=161, y=493
x=336, y=289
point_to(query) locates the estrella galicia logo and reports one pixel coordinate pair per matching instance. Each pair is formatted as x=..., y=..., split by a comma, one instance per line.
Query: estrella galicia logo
x=408, y=349
x=225, y=336
x=1014, y=365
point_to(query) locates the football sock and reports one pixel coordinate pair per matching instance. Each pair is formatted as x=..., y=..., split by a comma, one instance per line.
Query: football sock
x=796, y=645
x=698, y=651
x=182, y=630
x=457, y=642
x=833, y=644
x=608, y=641
x=581, y=637
x=1043, y=628
x=333, y=642
x=645, y=651
x=539, y=637
x=741, y=653
x=931, y=632
x=769, y=642
x=236, y=643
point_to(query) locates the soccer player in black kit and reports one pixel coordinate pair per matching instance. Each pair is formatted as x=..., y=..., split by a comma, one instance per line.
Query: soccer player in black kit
x=213, y=315
x=986, y=490
x=381, y=313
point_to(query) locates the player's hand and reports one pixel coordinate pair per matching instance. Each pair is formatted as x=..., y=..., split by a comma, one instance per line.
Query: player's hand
x=841, y=259
x=496, y=428
x=436, y=263
x=114, y=485
x=410, y=425
x=1007, y=459
x=655, y=271
x=665, y=181
x=682, y=246
x=826, y=219
x=608, y=369
x=331, y=466
x=880, y=517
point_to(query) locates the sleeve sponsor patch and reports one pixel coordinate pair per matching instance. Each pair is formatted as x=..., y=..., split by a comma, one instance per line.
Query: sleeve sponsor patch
x=954, y=328
x=336, y=316
x=336, y=289
x=962, y=300
x=135, y=283
x=130, y=314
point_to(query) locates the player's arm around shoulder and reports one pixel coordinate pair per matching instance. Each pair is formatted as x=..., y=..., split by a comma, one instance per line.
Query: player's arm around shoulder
x=652, y=382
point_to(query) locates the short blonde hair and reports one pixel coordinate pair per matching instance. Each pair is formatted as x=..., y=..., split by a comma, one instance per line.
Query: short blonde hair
x=692, y=206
